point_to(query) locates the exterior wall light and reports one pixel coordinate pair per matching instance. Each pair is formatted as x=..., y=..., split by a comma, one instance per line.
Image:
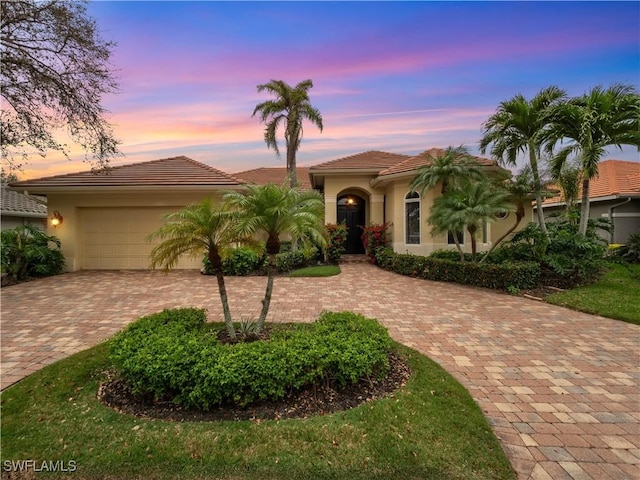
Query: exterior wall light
x=56, y=218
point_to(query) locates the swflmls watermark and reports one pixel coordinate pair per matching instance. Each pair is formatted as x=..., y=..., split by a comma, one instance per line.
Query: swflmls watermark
x=39, y=466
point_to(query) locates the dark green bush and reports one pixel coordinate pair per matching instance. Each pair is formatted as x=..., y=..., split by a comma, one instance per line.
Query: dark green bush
x=303, y=257
x=245, y=261
x=631, y=251
x=169, y=355
x=506, y=276
x=242, y=261
x=29, y=252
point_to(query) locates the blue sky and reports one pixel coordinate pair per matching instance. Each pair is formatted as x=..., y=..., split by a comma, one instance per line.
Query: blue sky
x=394, y=76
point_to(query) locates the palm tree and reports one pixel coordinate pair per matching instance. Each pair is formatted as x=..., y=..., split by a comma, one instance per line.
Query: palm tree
x=519, y=126
x=290, y=107
x=520, y=191
x=201, y=227
x=276, y=210
x=452, y=167
x=568, y=179
x=591, y=123
x=469, y=207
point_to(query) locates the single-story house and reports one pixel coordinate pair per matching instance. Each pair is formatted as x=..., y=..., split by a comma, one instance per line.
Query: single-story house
x=20, y=209
x=107, y=217
x=613, y=194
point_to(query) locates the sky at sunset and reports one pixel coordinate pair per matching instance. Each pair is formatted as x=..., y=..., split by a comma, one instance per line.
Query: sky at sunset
x=400, y=77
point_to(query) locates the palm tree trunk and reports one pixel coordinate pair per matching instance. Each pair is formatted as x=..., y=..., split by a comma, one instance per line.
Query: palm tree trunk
x=472, y=232
x=538, y=188
x=455, y=240
x=291, y=162
x=584, y=208
x=271, y=273
x=519, y=217
x=216, y=263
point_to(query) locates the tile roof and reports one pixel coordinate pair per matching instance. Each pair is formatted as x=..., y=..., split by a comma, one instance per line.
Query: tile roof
x=615, y=177
x=423, y=159
x=14, y=203
x=365, y=160
x=276, y=175
x=175, y=171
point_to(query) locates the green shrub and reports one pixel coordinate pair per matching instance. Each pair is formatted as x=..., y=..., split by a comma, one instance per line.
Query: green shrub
x=375, y=236
x=245, y=261
x=242, y=261
x=29, y=252
x=337, y=237
x=630, y=252
x=506, y=276
x=170, y=355
x=303, y=257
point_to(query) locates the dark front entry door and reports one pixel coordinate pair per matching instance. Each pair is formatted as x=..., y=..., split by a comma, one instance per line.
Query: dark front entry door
x=351, y=211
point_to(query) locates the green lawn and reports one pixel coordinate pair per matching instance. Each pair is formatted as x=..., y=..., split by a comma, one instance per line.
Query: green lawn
x=431, y=429
x=616, y=295
x=316, y=271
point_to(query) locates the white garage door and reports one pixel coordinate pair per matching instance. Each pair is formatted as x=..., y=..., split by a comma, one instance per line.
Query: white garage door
x=116, y=238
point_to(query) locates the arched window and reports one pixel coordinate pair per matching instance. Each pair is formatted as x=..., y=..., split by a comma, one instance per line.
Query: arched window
x=412, y=218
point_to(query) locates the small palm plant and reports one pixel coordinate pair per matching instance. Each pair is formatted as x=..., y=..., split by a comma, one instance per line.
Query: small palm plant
x=274, y=211
x=201, y=227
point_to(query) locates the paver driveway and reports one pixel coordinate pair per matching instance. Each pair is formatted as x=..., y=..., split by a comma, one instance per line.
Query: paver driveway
x=560, y=388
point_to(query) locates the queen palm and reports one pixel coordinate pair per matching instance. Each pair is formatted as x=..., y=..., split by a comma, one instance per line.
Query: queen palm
x=599, y=119
x=275, y=211
x=519, y=126
x=449, y=169
x=469, y=207
x=290, y=107
x=201, y=227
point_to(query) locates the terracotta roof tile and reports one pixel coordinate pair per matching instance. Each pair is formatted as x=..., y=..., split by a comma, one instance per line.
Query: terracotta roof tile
x=364, y=160
x=275, y=175
x=615, y=177
x=422, y=159
x=173, y=171
x=14, y=203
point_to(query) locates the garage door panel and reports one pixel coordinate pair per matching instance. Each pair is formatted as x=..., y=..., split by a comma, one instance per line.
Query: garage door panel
x=116, y=238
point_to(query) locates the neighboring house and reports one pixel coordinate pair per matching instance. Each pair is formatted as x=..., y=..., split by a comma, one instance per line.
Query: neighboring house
x=614, y=194
x=20, y=209
x=107, y=217
x=373, y=187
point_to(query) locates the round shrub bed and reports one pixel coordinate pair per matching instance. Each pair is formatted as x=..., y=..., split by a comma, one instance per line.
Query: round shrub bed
x=174, y=355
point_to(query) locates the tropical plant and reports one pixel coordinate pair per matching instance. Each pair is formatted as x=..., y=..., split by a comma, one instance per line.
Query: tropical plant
x=451, y=168
x=374, y=237
x=274, y=211
x=336, y=239
x=29, y=252
x=519, y=126
x=599, y=119
x=290, y=107
x=201, y=227
x=568, y=179
x=469, y=207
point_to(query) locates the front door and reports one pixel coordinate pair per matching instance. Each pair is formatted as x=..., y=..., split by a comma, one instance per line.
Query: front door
x=351, y=211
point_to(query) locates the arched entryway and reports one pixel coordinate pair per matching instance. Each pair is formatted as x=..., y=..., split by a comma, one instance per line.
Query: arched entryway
x=351, y=210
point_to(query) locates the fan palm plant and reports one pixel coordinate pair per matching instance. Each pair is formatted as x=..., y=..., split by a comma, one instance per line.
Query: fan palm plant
x=274, y=211
x=290, y=107
x=519, y=126
x=599, y=119
x=201, y=227
x=451, y=168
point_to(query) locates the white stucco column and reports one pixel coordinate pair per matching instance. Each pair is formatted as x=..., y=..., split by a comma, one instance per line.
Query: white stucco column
x=330, y=209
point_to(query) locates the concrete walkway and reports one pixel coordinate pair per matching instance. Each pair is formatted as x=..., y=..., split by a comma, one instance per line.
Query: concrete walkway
x=560, y=388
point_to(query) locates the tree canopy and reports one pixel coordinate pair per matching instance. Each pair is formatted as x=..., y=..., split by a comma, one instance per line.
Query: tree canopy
x=54, y=73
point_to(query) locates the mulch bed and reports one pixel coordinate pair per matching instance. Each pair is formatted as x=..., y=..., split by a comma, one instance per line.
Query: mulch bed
x=311, y=401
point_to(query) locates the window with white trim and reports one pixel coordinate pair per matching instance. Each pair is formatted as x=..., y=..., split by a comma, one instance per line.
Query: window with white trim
x=412, y=218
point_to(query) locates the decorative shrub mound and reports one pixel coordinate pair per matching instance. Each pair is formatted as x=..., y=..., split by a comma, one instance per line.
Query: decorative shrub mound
x=30, y=252
x=244, y=261
x=171, y=355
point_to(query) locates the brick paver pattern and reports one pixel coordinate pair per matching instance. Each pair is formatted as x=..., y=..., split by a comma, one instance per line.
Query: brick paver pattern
x=561, y=389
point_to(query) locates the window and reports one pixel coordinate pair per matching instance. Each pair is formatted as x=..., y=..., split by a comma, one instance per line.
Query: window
x=485, y=232
x=412, y=218
x=459, y=234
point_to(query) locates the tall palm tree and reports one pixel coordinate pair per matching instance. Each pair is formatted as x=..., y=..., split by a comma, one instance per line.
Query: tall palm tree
x=276, y=210
x=599, y=119
x=290, y=107
x=469, y=207
x=201, y=227
x=449, y=169
x=519, y=126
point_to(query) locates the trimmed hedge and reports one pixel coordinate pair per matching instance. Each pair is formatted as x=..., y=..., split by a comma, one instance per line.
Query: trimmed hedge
x=505, y=276
x=244, y=261
x=170, y=355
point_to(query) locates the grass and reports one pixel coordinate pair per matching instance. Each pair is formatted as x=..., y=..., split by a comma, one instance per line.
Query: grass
x=316, y=271
x=431, y=429
x=616, y=295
